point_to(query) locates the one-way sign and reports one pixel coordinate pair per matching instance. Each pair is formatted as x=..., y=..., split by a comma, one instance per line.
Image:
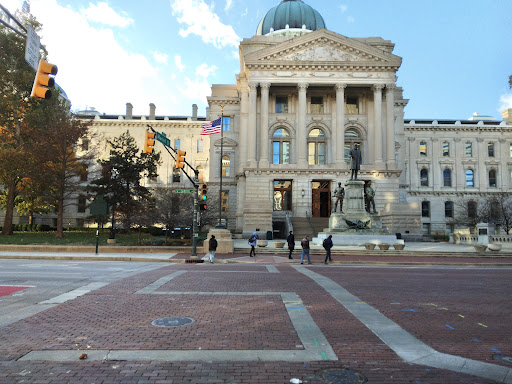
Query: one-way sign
x=32, y=48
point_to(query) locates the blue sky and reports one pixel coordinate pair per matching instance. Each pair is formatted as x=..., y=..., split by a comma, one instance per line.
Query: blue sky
x=456, y=54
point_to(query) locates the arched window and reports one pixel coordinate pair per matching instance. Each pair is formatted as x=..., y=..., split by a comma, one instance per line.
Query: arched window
x=470, y=178
x=352, y=137
x=447, y=178
x=281, y=146
x=492, y=178
x=226, y=162
x=317, y=147
x=424, y=177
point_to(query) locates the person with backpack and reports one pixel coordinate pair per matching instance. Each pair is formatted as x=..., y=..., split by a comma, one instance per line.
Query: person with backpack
x=252, y=243
x=212, y=247
x=291, y=244
x=327, y=246
x=305, y=249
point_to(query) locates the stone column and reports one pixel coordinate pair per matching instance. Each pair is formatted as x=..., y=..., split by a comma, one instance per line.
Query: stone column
x=264, y=163
x=301, y=148
x=244, y=121
x=340, y=125
x=251, y=136
x=390, y=126
x=377, y=123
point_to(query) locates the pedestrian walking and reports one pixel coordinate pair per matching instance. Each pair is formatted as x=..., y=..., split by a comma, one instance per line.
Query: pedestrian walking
x=291, y=244
x=252, y=243
x=305, y=249
x=212, y=247
x=327, y=246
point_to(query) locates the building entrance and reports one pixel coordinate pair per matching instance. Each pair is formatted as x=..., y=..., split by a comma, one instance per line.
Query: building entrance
x=321, y=199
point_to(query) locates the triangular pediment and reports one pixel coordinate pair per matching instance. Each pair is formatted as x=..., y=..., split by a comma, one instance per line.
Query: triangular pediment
x=323, y=47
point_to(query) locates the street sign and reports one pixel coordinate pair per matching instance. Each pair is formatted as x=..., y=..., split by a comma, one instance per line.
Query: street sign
x=32, y=48
x=184, y=190
x=163, y=139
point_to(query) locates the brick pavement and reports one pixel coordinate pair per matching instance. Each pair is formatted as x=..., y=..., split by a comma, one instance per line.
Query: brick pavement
x=117, y=317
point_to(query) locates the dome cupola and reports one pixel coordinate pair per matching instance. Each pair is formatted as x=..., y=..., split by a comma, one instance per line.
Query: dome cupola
x=290, y=17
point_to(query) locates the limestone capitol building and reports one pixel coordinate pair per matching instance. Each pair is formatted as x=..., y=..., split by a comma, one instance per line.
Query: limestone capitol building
x=304, y=96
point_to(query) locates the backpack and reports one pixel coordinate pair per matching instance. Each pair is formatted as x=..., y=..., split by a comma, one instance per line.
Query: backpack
x=251, y=239
x=325, y=243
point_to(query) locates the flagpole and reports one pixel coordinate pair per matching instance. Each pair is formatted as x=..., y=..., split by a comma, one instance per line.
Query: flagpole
x=221, y=155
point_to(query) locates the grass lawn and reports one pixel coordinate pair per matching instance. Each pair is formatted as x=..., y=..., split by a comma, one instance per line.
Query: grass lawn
x=75, y=238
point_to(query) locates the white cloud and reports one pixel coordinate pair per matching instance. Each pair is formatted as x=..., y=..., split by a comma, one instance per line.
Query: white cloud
x=229, y=4
x=343, y=8
x=351, y=19
x=505, y=101
x=102, y=13
x=179, y=64
x=160, y=57
x=203, y=22
x=108, y=75
x=198, y=88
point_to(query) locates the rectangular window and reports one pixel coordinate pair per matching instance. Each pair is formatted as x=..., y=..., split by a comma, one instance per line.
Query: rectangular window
x=281, y=104
x=426, y=228
x=321, y=153
x=276, y=155
x=317, y=105
x=82, y=203
x=200, y=146
x=448, y=209
x=225, y=201
x=84, y=174
x=490, y=149
x=311, y=153
x=281, y=152
x=425, y=209
x=352, y=106
x=177, y=144
x=446, y=149
x=282, y=195
x=85, y=144
x=226, y=124
x=469, y=150
x=286, y=152
x=423, y=148
x=510, y=150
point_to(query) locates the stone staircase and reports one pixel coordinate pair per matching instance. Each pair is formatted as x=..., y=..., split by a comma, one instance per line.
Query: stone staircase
x=311, y=226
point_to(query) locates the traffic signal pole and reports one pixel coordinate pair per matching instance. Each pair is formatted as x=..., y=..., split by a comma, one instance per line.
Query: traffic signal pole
x=195, y=183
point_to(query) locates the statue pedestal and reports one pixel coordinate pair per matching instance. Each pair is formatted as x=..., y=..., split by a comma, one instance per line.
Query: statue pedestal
x=224, y=240
x=355, y=226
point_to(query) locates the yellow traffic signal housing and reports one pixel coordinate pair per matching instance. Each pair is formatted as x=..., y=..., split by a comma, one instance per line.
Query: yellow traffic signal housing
x=43, y=81
x=180, y=158
x=150, y=142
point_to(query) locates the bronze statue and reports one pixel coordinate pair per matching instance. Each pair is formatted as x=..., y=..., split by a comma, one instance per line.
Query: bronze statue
x=339, y=194
x=369, y=195
x=356, y=160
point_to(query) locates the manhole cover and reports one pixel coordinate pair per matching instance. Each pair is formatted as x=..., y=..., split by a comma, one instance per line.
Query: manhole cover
x=342, y=376
x=172, y=321
x=507, y=359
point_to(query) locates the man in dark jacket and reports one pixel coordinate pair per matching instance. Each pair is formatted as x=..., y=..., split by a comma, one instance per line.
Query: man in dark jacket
x=327, y=246
x=291, y=244
x=305, y=249
x=212, y=247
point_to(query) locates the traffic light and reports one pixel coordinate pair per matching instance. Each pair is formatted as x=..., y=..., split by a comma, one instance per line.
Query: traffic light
x=150, y=142
x=180, y=158
x=43, y=81
x=204, y=196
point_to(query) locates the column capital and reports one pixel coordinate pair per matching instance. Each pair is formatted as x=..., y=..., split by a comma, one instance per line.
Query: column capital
x=378, y=87
x=302, y=86
x=340, y=86
x=265, y=86
x=253, y=86
x=390, y=87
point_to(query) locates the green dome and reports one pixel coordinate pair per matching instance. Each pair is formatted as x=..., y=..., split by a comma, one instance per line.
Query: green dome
x=292, y=13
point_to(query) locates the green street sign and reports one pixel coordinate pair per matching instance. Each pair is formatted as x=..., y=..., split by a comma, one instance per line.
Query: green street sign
x=163, y=139
x=184, y=191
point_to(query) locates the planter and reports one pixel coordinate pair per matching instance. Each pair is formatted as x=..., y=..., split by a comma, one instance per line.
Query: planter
x=399, y=247
x=261, y=243
x=111, y=241
x=494, y=247
x=384, y=246
x=480, y=248
x=279, y=244
x=369, y=246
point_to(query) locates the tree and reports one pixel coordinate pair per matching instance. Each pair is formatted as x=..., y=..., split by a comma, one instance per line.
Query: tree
x=500, y=210
x=121, y=174
x=173, y=209
x=510, y=81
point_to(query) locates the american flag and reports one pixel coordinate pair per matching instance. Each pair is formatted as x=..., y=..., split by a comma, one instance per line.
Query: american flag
x=211, y=127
